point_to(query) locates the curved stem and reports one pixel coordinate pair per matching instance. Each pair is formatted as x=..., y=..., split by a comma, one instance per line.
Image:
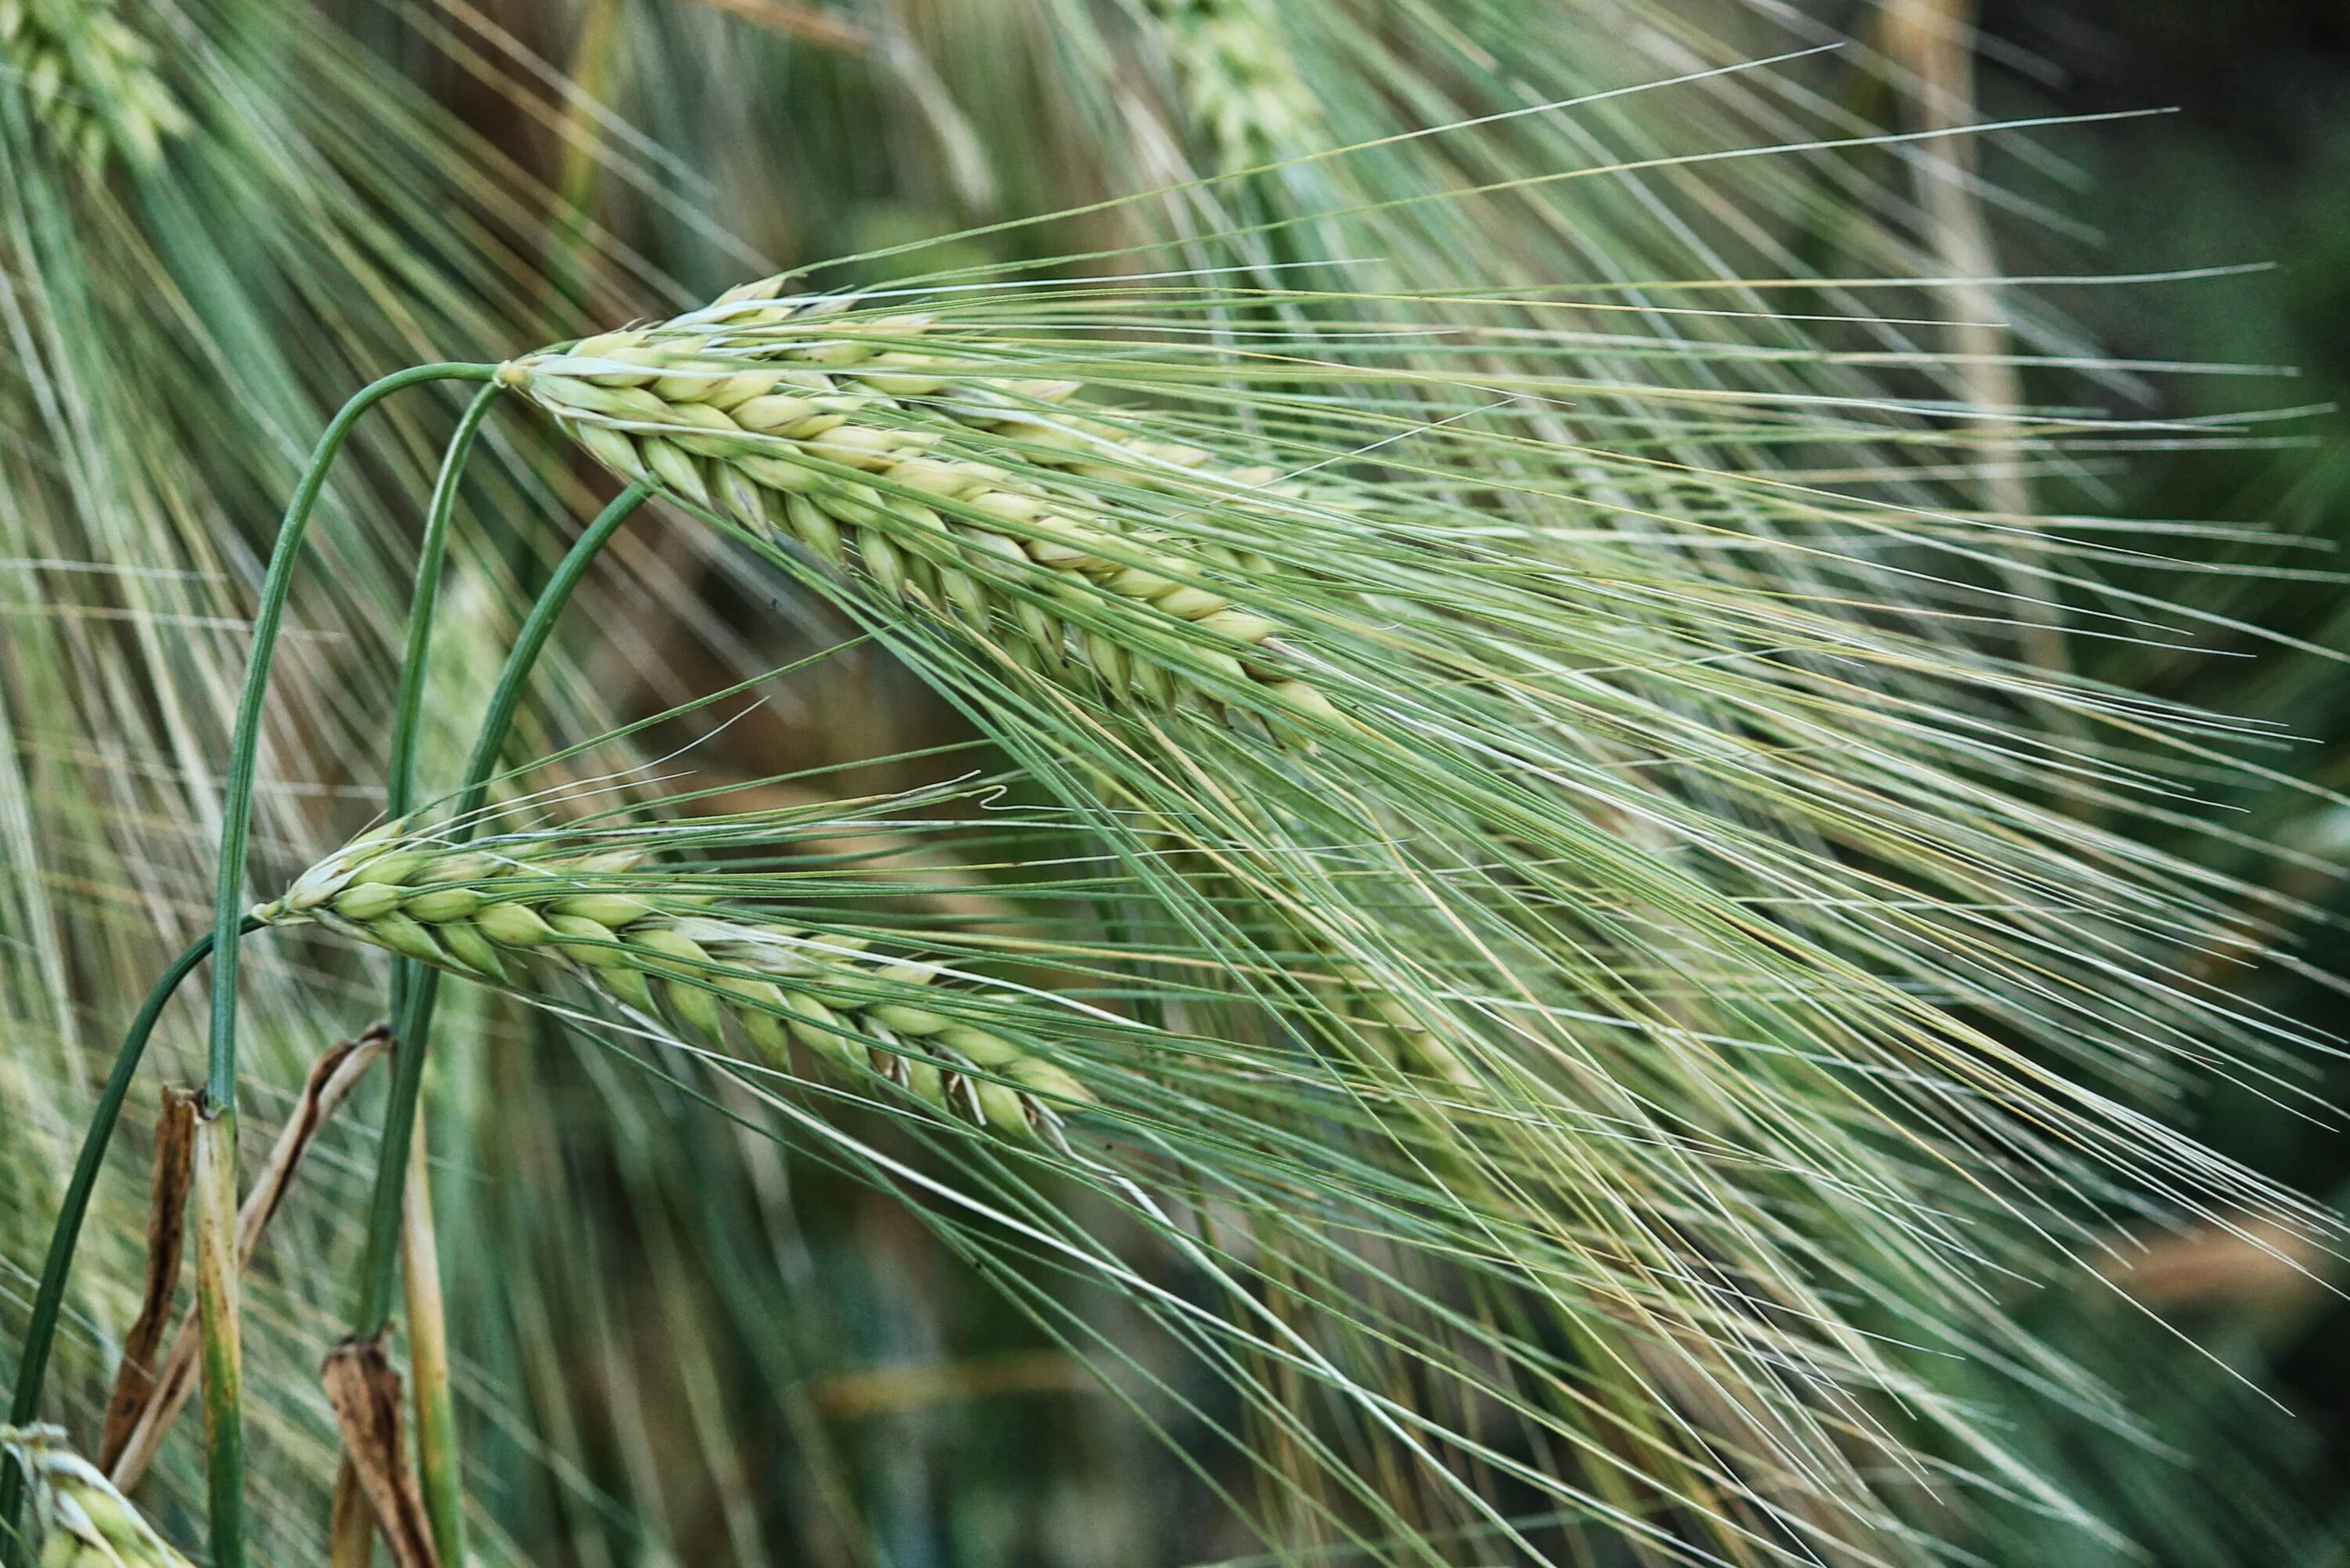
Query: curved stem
x=225, y=1435
x=415, y=1020
x=423, y=606
x=236, y=809
x=435, y=1426
x=48, y=1300
x=399, y=781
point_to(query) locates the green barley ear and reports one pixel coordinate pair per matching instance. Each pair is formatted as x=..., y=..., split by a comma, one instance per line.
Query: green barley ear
x=82, y=1521
x=1242, y=92
x=863, y=439
x=91, y=80
x=663, y=946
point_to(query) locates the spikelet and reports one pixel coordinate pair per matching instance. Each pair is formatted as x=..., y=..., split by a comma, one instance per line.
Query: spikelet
x=858, y=443
x=91, y=80
x=82, y=1521
x=485, y=912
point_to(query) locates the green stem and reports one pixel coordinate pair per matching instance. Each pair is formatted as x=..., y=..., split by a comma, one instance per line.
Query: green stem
x=415, y=1021
x=444, y=1499
x=48, y=1300
x=399, y=781
x=423, y=606
x=213, y=1202
x=445, y=1496
x=435, y=1431
x=236, y=809
x=225, y=1435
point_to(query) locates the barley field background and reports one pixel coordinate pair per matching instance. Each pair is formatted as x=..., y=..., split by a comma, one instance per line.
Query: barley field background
x=955, y=783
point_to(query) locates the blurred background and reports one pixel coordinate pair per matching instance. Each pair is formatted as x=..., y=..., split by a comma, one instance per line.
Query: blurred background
x=2255, y=166
x=462, y=178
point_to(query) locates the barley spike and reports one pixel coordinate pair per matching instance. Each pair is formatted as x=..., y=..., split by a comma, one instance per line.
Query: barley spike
x=1240, y=86
x=484, y=911
x=866, y=447
x=90, y=80
x=83, y=1522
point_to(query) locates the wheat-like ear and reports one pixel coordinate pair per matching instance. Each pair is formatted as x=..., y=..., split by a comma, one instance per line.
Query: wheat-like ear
x=92, y=80
x=646, y=940
x=864, y=444
x=864, y=441
x=1241, y=89
x=83, y=1521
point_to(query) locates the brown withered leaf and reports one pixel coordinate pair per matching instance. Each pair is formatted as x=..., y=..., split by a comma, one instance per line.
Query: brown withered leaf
x=148, y=1418
x=350, y=1529
x=167, y=1209
x=365, y=1391
x=2248, y=1264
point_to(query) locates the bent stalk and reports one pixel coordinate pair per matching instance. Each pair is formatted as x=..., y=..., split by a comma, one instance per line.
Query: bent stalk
x=224, y=1427
x=416, y=1018
x=236, y=816
x=435, y=1424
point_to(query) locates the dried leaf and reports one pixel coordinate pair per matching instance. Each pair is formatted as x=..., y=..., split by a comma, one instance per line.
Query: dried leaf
x=176, y=1134
x=365, y=1393
x=2246, y=1264
x=333, y=1076
x=213, y=1196
x=350, y=1529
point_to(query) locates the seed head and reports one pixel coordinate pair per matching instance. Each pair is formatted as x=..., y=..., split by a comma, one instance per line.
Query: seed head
x=485, y=911
x=83, y=1522
x=865, y=441
x=1239, y=79
x=91, y=80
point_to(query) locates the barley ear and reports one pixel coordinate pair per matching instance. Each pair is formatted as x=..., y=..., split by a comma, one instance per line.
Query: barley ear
x=91, y=80
x=631, y=933
x=808, y=431
x=1241, y=91
x=83, y=1521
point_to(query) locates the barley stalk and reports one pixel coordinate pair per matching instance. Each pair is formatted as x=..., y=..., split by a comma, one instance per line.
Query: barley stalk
x=855, y=442
x=90, y=80
x=83, y=1522
x=437, y=1466
x=224, y=1348
x=487, y=909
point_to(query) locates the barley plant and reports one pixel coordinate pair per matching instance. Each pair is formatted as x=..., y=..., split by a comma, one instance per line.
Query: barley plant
x=1374, y=796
